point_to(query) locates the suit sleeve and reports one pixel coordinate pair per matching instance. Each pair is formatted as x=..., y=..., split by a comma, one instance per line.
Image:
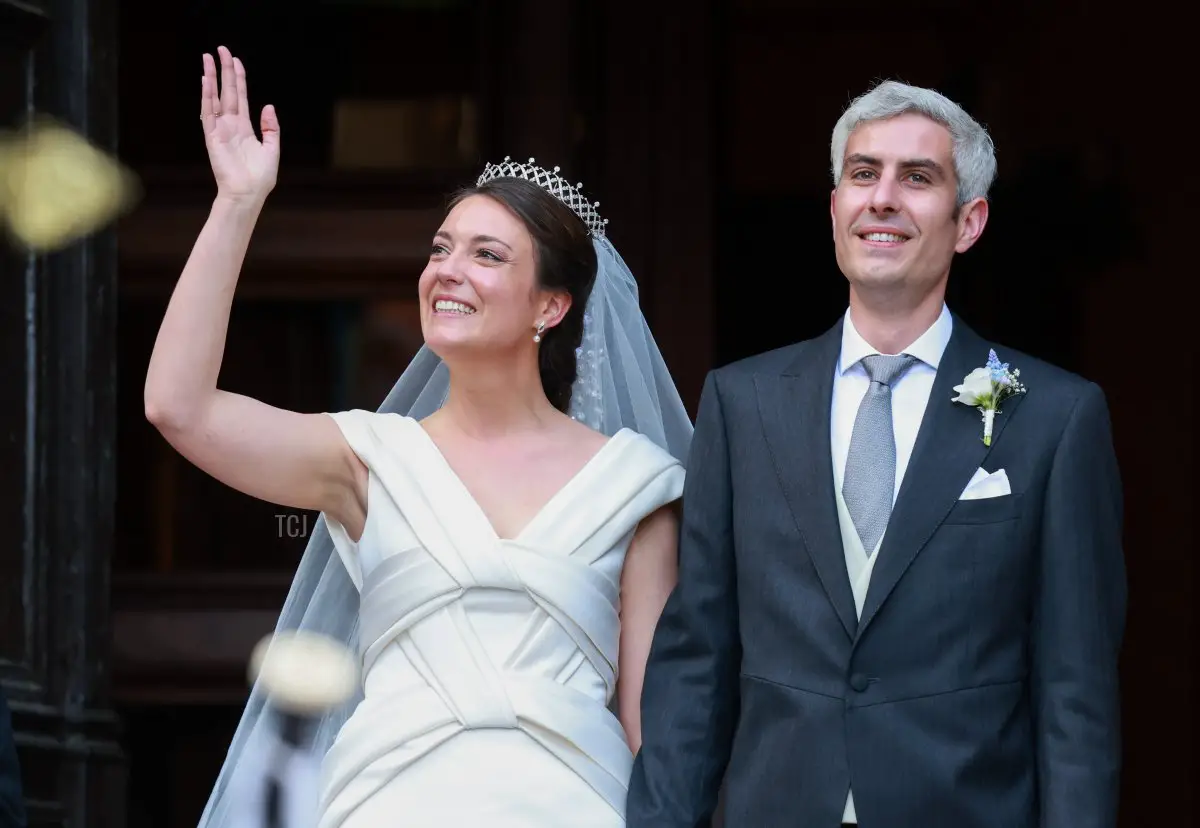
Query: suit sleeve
x=12, y=808
x=1078, y=625
x=690, y=695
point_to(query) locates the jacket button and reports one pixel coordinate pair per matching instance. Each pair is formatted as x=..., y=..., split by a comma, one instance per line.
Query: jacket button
x=859, y=682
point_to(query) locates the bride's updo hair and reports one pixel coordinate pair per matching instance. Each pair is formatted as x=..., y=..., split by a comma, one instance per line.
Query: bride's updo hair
x=564, y=260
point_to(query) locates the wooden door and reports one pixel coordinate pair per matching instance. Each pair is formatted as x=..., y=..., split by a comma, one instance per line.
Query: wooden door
x=57, y=381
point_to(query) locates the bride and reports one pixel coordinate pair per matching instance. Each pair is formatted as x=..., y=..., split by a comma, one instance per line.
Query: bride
x=496, y=542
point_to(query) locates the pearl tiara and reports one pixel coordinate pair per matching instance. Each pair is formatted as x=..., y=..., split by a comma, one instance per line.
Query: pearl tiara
x=554, y=184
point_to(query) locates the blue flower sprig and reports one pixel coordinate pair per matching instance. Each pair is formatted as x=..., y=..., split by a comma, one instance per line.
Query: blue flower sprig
x=985, y=388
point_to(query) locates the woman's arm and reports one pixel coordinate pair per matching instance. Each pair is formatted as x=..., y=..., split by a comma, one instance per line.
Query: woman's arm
x=297, y=460
x=649, y=574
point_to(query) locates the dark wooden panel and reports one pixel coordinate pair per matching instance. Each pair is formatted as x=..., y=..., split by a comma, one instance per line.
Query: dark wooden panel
x=791, y=15
x=186, y=639
x=534, y=112
x=17, y=567
x=301, y=56
x=58, y=353
x=324, y=189
x=23, y=608
x=21, y=26
x=655, y=113
x=296, y=252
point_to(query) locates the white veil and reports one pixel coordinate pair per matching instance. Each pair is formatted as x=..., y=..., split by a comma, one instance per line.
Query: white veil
x=622, y=382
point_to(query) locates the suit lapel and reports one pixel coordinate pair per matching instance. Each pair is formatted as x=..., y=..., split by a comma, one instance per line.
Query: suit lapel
x=948, y=450
x=795, y=411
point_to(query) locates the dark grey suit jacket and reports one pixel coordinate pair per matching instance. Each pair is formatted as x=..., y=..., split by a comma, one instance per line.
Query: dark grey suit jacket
x=12, y=807
x=979, y=689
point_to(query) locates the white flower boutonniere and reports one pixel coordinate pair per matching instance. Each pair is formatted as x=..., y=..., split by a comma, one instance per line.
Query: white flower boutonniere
x=985, y=388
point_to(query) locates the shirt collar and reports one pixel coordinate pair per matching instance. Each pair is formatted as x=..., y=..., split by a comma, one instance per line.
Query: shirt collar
x=928, y=347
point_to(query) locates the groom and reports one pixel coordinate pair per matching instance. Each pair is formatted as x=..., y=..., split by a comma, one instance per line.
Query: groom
x=883, y=619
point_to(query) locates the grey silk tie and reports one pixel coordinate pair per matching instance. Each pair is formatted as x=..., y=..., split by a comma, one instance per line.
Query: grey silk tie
x=870, y=477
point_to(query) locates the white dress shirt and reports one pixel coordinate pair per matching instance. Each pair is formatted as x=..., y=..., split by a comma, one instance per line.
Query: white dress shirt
x=910, y=395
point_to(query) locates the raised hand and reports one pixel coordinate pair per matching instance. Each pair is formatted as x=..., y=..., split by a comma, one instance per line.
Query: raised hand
x=245, y=167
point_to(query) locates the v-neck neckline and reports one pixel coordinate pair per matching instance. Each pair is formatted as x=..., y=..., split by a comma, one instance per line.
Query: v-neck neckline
x=558, y=495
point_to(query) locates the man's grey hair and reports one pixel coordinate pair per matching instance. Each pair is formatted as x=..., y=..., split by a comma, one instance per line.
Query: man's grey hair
x=974, y=153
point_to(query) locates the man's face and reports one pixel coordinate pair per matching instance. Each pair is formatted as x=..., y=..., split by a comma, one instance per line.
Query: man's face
x=895, y=223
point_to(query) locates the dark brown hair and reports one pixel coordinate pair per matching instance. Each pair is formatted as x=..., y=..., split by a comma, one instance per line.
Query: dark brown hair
x=564, y=259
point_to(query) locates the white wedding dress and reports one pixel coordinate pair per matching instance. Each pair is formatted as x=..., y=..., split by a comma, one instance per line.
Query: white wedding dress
x=488, y=663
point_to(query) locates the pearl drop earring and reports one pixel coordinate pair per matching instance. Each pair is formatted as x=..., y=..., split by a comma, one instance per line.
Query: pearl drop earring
x=537, y=337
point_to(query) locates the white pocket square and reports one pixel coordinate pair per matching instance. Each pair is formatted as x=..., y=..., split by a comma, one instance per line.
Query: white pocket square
x=984, y=485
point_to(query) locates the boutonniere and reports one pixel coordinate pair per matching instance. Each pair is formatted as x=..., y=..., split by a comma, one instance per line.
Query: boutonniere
x=985, y=388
